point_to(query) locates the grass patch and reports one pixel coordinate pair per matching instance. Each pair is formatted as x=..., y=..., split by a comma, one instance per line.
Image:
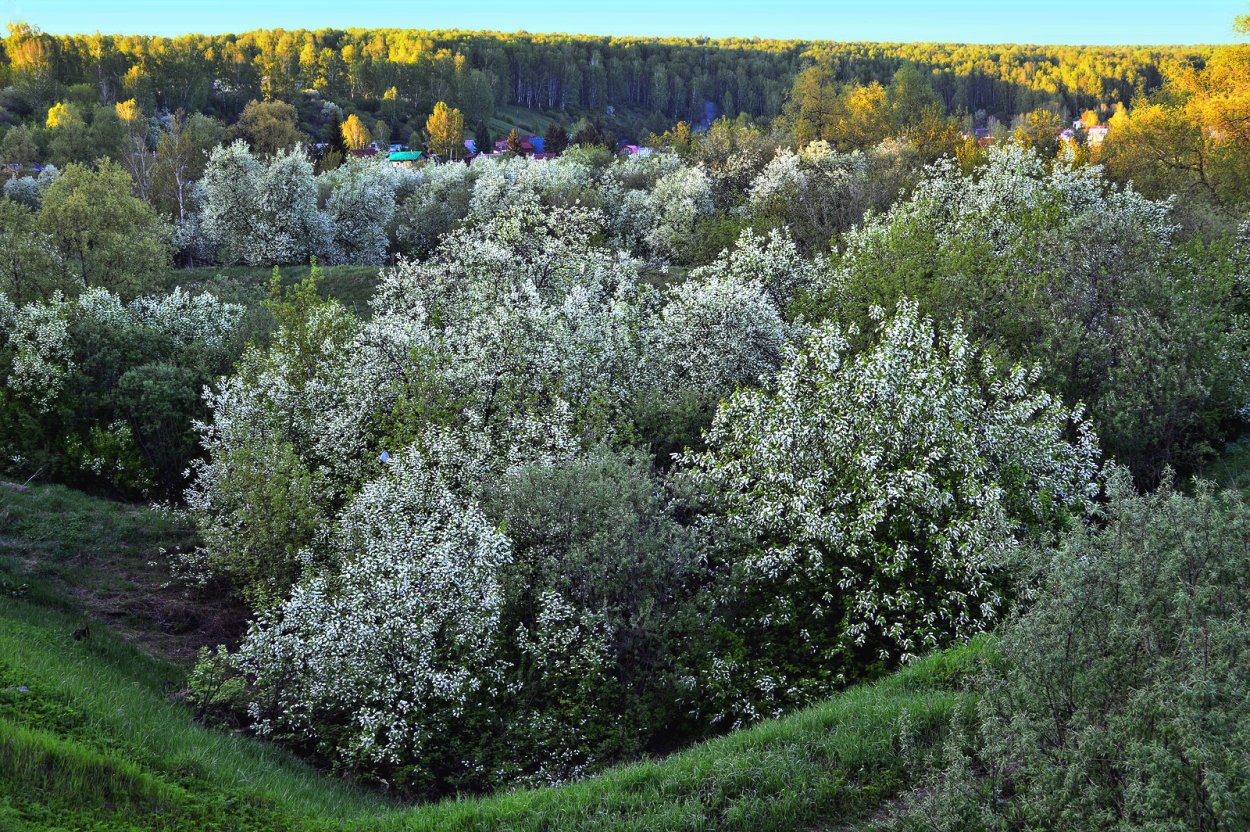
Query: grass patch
x=67, y=551
x=90, y=739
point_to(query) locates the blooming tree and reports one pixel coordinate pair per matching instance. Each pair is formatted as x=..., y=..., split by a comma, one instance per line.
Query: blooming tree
x=382, y=658
x=874, y=506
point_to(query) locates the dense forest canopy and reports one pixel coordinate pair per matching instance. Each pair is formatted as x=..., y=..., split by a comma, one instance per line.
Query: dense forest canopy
x=661, y=79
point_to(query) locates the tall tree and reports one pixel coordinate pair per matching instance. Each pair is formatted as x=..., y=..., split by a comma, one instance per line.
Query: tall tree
x=482, y=138
x=136, y=155
x=444, y=131
x=268, y=127
x=104, y=235
x=556, y=138
x=355, y=135
x=181, y=157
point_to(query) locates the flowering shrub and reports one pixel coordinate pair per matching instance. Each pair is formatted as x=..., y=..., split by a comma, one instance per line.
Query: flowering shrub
x=815, y=193
x=100, y=392
x=262, y=212
x=359, y=209
x=873, y=507
x=387, y=655
x=1058, y=267
x=438, y=201
x=717, y=332
x=677, y=202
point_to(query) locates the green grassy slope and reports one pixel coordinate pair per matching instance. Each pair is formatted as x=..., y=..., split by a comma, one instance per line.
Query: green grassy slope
x=99, y=740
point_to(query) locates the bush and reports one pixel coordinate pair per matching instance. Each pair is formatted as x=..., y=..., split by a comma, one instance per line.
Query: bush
x=387, y=660
x=594, y=543
x=1118, y=701
x=103, y=394
x=873, y=507
x=1059, y=267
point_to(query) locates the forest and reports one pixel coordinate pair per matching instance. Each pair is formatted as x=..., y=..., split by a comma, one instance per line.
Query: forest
x=867, y=448
x=645, y=84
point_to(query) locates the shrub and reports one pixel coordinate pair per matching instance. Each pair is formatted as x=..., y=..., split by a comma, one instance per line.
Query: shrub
x=1118, y=701
x=103, y=394
x=387, y=659
x=1059, y=267
x=598, y=562
x=873, y=507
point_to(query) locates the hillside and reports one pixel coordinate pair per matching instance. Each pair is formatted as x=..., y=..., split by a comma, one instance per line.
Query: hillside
x=93, y=734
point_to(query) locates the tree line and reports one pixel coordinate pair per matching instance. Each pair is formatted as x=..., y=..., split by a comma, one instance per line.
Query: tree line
x=654, y=81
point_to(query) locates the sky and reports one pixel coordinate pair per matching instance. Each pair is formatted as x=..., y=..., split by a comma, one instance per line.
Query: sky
x=972, y=21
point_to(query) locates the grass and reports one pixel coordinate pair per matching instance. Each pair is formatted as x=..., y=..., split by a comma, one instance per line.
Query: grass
x=96, y=742
x=526, y=121
x=99, y=739
x=71, y=552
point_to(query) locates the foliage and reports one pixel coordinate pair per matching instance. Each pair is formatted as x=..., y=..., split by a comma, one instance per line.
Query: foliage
x=874, y=506
x=104, y=236
x=1061, y=268
x=30, y=266
x=1117, y=700
x=103, y=394
x=355, y=134
x=268, y=128
x=444, y=131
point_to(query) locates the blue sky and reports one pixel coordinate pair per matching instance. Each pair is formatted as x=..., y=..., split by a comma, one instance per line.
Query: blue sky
x=1034, y=21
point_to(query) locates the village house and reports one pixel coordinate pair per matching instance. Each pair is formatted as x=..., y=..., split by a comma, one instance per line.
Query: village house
x=405, y=158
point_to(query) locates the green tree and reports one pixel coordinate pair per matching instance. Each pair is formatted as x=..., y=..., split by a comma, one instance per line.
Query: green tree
x=104, y=235
x=812, y=111
x=181, y=157
x=483, y=139
x=911, y=97
x=29, y=268
x=1117, y=701
x=556, y=138
x=1039, y=130
x=268, y=127
x=18, y=147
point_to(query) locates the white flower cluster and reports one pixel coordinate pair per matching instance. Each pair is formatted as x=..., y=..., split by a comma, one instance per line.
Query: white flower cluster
x=882, y=496
x=39, y=337
x=815, y=192
x=1012, y=186
x=399, y=636
x=262, y=212
x=360, y=208
x=671, y=209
